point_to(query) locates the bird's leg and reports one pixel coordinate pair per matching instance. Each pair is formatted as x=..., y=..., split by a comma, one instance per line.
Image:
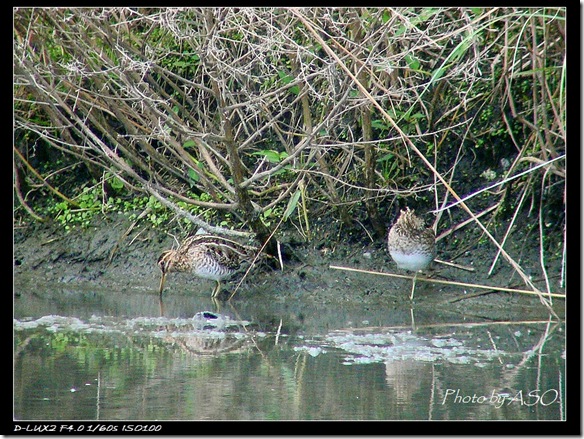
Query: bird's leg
x=413, y=286
x=216, y=290
x=161, y=284
x=217, y=304
x=413, y=319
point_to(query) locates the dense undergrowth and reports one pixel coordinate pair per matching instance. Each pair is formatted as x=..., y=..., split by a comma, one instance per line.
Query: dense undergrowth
x=243, y=119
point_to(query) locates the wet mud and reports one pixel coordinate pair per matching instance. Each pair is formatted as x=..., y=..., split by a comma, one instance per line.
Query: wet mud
x=114, y=256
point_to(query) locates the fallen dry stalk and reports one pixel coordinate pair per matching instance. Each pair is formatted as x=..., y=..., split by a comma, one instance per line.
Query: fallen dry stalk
x=452, y=264
x=447, y=282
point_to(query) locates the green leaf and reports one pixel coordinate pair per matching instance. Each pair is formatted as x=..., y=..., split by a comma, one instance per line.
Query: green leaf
x=386, y=157
x=292, y=203
x=282, y=170
x=379, y=124
x=287, y=79
x=271, y=155
x=413, y=62
x=189, y=144
x=193, y=175
x=385, y=16
x=415, y=116
x=116, y=183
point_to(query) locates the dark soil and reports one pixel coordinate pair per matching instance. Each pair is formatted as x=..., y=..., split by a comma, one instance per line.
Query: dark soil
x=114, y=256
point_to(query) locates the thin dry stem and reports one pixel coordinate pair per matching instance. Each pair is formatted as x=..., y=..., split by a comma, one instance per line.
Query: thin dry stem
x=447, y=282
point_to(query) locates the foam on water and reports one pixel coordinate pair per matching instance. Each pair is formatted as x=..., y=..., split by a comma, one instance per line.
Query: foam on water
x=394, y=346
x=205, y=323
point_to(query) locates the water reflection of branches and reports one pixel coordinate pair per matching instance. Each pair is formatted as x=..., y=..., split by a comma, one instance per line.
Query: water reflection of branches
x=510, y=375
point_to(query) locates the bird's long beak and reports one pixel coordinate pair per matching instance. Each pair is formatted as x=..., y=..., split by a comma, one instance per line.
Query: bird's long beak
x=162, y=283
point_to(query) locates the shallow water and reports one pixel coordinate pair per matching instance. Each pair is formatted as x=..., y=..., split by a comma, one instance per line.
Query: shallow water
x=107, y=355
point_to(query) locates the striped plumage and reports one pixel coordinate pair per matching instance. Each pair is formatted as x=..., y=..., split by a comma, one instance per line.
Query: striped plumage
x=411, y=244
x=206, y=256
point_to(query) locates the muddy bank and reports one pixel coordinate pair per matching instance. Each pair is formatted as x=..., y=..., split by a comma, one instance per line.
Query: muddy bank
x=106, y=255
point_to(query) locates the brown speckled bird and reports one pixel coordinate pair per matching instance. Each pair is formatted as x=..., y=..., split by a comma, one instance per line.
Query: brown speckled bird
x=206, y=256
x=411, y=244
